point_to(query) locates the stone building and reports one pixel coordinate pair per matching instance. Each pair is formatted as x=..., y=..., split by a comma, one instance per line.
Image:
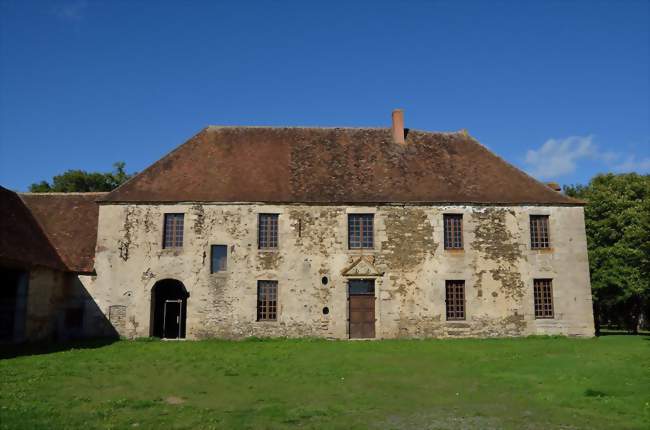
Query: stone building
x=336, y=233
x=47, y=244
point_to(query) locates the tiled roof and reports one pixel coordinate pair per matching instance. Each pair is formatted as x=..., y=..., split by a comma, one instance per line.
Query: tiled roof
x=333, y=165
x=70, y=222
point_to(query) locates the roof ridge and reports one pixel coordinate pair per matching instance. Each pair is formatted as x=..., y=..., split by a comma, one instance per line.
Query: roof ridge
x=307, y=127
x=63, y=193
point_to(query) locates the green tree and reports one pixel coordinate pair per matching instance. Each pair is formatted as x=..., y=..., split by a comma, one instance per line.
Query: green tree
x=82, y=181
x=617, y=219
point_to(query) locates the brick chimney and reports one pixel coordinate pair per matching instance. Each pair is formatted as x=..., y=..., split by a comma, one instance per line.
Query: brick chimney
x=398, y=126
x=554, y=186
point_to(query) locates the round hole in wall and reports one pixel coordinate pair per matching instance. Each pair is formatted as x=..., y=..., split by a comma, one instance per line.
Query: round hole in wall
x=324, y=280
x=326, y=310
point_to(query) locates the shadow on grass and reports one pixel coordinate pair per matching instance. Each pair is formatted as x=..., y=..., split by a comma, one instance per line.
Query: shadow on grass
x=19, y=350
x=622, y=333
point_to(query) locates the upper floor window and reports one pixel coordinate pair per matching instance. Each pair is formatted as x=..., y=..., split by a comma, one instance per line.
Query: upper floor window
x=455, y=300
x=539, y=237
x=361, y=231
x=267, y=300
x=219, y=258
x=453, y=231
x=543, y=293
x=267, y=231
x=173, y=235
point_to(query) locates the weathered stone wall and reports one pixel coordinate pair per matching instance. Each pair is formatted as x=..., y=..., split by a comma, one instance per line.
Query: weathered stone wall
x=45, y=298
x=51, y=296
x=497, y=265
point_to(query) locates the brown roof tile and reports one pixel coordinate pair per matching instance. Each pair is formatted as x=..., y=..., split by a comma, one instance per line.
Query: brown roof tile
x=333, y=165
x=70, y=222
x=23, y=243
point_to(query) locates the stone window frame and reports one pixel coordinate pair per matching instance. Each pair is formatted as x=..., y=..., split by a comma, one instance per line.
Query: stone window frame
x=269, y=241
x=453, y=215
x=455, y=309
x=543, y=302
x=362, y=246
x=176, y=235
x=539, y=240
x=267, y=310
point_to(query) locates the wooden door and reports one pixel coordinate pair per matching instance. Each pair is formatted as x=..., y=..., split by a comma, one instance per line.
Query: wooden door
x=362, y=316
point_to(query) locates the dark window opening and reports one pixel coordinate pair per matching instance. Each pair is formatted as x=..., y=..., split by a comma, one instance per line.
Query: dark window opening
x=361, y=287
x=453, y=227
x=326, y=310
x=267, y=231
x=173, y=231
x=360, y=231
x=543, y=292
x=324, y=280
x=539, y=235
x=267, y=300
x=13, y=301
x=455, y=300
x=219, y=258
x=74, y=318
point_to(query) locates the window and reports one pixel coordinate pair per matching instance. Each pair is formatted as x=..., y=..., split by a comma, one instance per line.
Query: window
x=358, y=287
x=360, y=231
x=219, y=258
x=539, y=238
x=74, y=318
x=543, y=292
x=173, y=236
x=455, y=300
x=453, y=231
x=267, y=300
x=267, y=231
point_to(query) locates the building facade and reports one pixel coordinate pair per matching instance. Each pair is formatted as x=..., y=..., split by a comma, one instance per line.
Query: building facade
x=336, y=233
x=305, y=282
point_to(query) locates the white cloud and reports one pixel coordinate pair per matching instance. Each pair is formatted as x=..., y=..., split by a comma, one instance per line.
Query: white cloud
x=631, y=164
x=71, y=11
x=558, y=157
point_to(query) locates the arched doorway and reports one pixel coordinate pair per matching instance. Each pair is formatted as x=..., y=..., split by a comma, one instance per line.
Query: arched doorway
x=168, y=309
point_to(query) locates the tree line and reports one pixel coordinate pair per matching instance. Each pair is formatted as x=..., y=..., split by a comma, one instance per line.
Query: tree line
x=617, y=220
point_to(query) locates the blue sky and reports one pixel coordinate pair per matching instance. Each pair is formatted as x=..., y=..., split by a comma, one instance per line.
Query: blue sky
x=558, y=88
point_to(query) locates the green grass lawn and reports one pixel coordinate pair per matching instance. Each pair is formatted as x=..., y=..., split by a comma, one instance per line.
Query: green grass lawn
x=531, y=383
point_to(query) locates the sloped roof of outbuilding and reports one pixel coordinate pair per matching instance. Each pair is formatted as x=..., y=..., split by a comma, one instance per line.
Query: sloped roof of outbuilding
x=23, y=242
x=70, y=222
x=333, y=165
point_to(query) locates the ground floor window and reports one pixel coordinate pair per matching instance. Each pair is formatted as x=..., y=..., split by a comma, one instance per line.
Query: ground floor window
x=543, y=292
x=74, y=318
x=455, y=300
x=267, y=300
